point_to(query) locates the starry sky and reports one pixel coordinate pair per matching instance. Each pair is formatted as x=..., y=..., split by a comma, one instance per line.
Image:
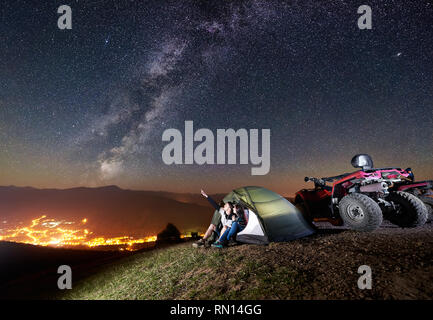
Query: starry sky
x=88, y=106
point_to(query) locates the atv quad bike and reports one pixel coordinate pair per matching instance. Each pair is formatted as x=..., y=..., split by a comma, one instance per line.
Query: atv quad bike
x=361, y=199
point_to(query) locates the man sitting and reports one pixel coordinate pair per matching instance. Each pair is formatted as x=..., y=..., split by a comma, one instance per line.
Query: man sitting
x=215, y=225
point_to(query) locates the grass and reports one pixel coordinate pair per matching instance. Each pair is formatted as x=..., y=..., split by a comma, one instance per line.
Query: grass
x=182, y=272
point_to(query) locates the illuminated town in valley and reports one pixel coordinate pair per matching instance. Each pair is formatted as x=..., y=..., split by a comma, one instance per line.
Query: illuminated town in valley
x=44, y=231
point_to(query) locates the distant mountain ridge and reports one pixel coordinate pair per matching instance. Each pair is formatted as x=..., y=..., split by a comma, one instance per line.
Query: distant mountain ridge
x=110, y=210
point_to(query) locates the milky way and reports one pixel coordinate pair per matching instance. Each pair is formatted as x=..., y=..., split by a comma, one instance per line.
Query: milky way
x=88, y=106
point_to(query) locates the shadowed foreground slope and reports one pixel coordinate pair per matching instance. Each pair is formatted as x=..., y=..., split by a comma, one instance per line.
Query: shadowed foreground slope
x=320, y=267
x=30, y=272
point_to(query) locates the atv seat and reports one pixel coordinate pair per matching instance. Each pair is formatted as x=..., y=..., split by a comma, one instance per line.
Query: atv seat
x=332, y=179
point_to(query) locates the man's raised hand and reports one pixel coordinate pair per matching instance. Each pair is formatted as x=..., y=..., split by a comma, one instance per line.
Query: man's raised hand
x=203, y=193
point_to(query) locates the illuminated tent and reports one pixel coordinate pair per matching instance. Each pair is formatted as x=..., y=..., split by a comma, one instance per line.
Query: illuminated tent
x=272, y=218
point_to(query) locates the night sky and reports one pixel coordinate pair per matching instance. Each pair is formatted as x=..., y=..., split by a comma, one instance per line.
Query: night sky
x=87, y=106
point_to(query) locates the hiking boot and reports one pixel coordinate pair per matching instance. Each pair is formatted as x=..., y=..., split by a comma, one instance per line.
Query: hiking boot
x=217, y=244
x=207, y=244
x=199, y=243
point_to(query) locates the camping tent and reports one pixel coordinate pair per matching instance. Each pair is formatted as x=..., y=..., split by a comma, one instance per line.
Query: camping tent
x=271, y=217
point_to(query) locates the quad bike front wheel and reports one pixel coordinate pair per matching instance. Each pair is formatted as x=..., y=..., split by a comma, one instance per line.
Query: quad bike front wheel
x=360, y=212
x=428, y=202
x=408, y=211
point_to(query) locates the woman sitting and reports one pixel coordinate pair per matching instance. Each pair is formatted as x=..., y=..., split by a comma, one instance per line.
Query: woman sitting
x=234, y=223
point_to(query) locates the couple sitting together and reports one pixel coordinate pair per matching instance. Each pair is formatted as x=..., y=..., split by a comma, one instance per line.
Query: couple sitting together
x=227, y=221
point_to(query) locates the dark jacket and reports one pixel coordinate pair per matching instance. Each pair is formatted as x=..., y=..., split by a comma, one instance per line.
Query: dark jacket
x=241, y=217
x=217, y=207
x=213, y=203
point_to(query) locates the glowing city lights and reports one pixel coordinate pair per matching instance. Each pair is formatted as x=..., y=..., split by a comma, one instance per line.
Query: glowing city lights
x=44, y=231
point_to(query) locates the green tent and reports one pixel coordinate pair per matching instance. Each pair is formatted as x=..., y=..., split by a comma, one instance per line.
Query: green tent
x=272, y=218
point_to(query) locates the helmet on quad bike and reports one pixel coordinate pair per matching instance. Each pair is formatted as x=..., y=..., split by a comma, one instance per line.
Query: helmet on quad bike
x=363, y=161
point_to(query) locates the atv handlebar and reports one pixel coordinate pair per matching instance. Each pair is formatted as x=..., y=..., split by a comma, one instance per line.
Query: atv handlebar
x=317, y=181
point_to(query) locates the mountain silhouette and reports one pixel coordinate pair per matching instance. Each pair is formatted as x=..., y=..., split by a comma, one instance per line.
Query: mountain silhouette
x=110, y=210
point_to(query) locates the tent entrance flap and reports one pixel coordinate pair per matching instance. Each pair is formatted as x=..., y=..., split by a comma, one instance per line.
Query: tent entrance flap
x=253, y=232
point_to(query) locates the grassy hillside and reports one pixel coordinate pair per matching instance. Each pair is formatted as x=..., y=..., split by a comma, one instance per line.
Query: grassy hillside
x=182, y=272
x=319, y=267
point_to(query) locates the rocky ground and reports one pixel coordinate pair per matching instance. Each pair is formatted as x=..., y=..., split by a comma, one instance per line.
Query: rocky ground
x=401, y=261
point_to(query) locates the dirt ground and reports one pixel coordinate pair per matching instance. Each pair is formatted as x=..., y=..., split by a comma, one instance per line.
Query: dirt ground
x=401, y=261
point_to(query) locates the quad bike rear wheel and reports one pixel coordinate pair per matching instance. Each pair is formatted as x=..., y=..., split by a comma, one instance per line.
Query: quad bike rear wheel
x=428, y=202
x=360, y=212
x=409, y=211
